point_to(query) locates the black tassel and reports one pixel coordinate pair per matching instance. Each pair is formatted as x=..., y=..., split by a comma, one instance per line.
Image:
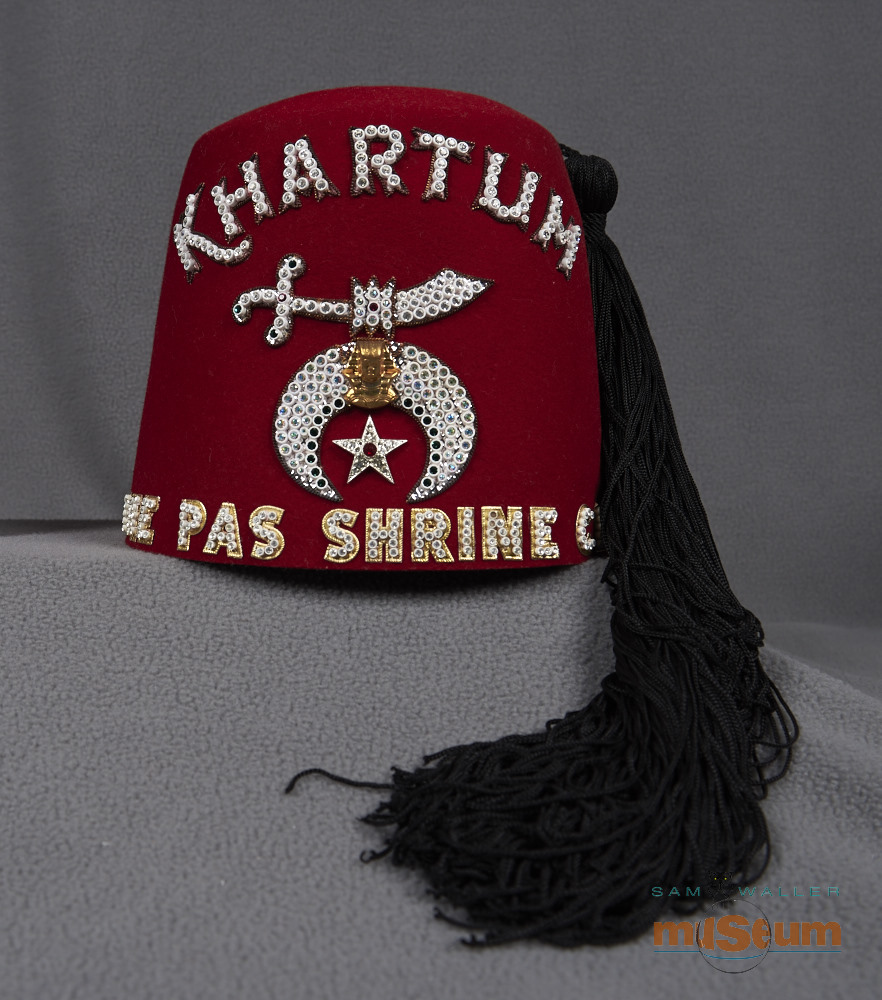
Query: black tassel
x=560, y=835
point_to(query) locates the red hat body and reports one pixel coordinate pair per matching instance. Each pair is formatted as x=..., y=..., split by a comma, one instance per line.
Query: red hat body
x=374, y=346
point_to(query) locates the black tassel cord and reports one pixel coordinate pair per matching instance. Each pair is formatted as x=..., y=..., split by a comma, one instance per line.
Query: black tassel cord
x=559, y=836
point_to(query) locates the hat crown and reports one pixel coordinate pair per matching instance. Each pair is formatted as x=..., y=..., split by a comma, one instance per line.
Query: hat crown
x=440, y=225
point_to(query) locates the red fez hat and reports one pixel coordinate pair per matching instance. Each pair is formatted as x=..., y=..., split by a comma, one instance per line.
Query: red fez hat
x=366, y=343
x=394, y=334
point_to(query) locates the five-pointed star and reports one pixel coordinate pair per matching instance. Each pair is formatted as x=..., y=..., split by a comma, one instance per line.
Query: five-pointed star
x=377, y=447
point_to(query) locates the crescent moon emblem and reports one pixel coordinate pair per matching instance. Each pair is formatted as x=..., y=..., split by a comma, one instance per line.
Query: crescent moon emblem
x=426, y=388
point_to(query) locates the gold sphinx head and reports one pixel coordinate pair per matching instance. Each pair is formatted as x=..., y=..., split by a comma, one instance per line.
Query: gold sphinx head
x=370, y=373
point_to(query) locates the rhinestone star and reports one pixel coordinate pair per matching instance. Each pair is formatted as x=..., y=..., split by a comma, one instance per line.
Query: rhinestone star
x=369, y=451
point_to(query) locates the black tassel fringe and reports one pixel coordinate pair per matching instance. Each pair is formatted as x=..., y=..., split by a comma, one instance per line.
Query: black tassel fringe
x=559, y=836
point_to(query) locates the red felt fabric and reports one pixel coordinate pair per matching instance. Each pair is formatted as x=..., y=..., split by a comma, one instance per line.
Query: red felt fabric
x=524, y=349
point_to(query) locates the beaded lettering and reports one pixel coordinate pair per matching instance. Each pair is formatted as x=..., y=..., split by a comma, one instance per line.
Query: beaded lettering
x=502, y=530
x=224, y=533
x=384, y=535
x=567, y=236
x=313, y=181
x=185, y=238
x=541, y=545
x=584, y=524
x=191, y=520
x=344, y=544
x=429, y=530
x=304, y=176
x=442, y=147
x=264, y=522
x=380, y=163
x=488, y=197
x=502, y=533
x=253, y=191
x=138, y=511
x=465, y=519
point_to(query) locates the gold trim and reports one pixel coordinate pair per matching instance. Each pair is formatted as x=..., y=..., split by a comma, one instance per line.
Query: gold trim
x=466, y=533
x=340, y=536
x=192, y=527
x=541, y=544
x=267, y=532
x=138, y=511
x=234, y=545
x=586, y=522
x=512, y=529
x=438, y=519
x=393, y=525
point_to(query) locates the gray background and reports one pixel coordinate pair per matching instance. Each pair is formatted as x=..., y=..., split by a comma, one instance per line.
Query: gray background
x=151, y=710
x=747, y=142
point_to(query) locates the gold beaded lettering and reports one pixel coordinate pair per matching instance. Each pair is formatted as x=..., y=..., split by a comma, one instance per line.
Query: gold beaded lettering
x=224, y=533
x=138, y=511
x=384, y=536
x=264, y=522
x=541, y=545
x=465, y=517
x=191, y=520
x=344, y=545
x=502, y=532
x=429, y=530
x=584, y=525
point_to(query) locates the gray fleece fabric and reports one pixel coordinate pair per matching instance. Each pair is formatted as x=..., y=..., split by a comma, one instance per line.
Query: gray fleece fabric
x=153, y=711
